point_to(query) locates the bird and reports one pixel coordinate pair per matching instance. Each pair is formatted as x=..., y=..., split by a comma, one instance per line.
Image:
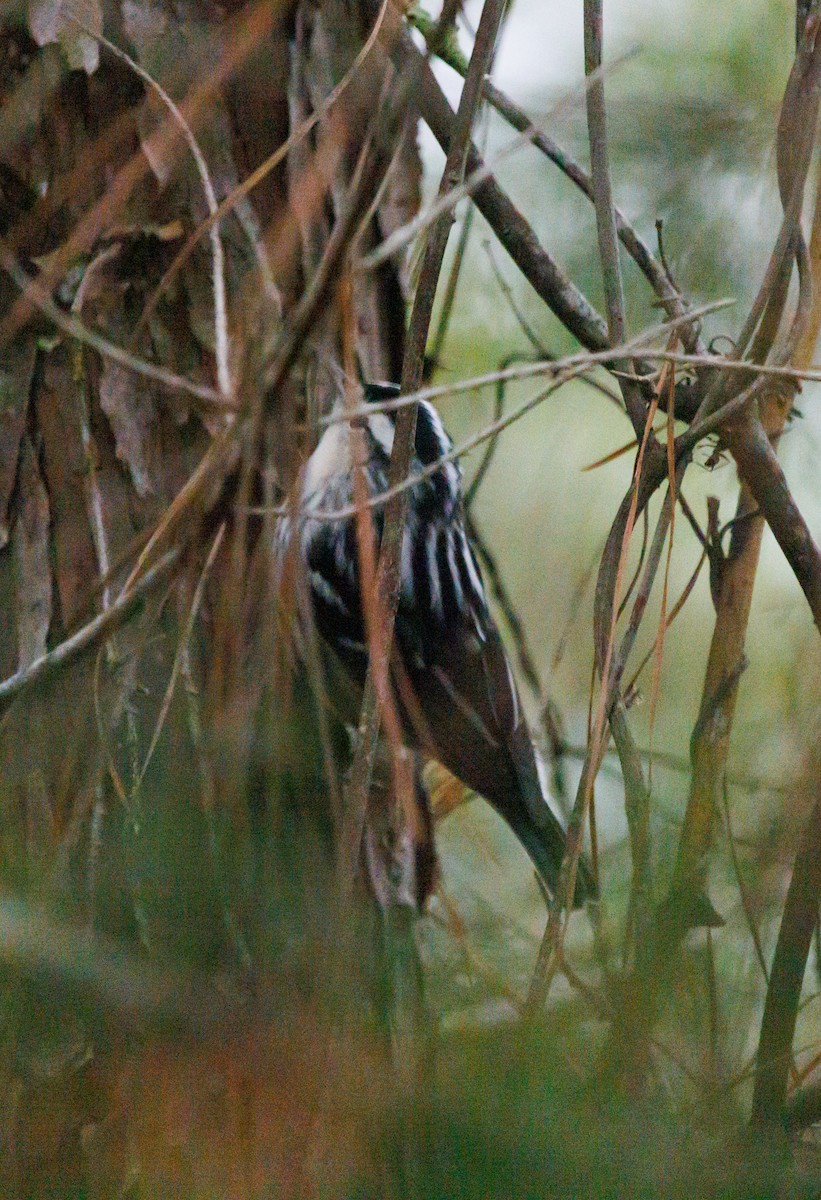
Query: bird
x=453, y=684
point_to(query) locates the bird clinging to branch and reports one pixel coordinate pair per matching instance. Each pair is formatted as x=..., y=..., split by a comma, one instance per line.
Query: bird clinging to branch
x=452, y=682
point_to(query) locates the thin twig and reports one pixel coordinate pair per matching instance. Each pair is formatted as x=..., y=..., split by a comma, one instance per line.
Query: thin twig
x=121, y=610
x=262, y=171
x=586, y=360
x=471, y=443
x=610, y=581
x=633, y=243
x=388, y=571
x=786, y=977
x=185, y=638
x=527, y=662
x=671, y=616
x=636, y=400
x=515, y=233
x=677, y=762
x=796, y=137
x=378, y=499
x=761, y=470
x=476, y=175
x=443, y=324
x=600, y=172
x=479, y=174
x=221, y=347
x=490, y=450
x=742, y=889
x=39, y=297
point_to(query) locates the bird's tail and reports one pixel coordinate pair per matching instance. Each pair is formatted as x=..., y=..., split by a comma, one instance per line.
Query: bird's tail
x=544, y=840
x=471, y=720
x=525, y=806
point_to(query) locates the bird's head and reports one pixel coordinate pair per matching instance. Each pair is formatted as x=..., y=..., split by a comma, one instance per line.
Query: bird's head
x=376, y=392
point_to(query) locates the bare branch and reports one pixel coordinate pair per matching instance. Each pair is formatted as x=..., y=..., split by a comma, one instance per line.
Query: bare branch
x=516, y=235
x=600, y=171
x=786, y=977
x=388, y=572
x=762, y=472
x=39, y=297
x=633, y=243
x=122, y=609
x=217, y=253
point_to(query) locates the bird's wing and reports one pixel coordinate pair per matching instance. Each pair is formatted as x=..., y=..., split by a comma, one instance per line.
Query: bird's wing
x=462, y=708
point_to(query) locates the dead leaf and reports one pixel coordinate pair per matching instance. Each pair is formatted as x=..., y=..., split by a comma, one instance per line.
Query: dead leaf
x=403, y=196
x=16, y=371
x=65, y=467
x=61, y=21
x=129, y=405
x=30, y=539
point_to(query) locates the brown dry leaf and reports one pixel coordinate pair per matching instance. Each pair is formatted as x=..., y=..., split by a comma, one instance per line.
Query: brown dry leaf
x=128, y=402
x=57, y=21
x=16, y=370
x=160, y=139
x=33, y=568
x=403, y=196
x=65, y=466
x=183, y=53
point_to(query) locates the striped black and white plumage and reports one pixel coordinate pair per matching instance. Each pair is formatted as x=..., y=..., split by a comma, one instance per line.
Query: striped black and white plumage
x=465, y=709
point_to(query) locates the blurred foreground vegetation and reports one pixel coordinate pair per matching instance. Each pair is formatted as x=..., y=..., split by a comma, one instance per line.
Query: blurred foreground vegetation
x=186, y=1008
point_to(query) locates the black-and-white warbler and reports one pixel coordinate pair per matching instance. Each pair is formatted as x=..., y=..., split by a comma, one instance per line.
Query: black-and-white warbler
x=465, y=709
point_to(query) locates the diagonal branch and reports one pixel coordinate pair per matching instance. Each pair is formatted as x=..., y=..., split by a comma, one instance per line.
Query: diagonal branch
x=632, y=241
x=605, y=211
x=787, y=975
x=388, y=572
x=101, y=626
x=550, y=282
x=547, y=278
x=762, y=473
x=600, y=171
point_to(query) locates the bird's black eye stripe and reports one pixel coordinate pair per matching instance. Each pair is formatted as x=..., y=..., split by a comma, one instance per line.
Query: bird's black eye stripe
x=431, y=440
x=441, y=492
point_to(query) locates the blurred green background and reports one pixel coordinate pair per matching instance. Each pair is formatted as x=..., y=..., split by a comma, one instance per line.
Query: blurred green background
x=693, y=91
x=693, y=103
